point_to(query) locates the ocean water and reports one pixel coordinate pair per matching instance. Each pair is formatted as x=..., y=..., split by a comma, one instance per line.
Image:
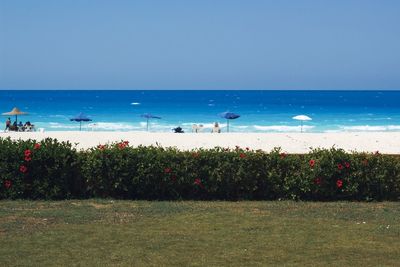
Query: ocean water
x=261, y=111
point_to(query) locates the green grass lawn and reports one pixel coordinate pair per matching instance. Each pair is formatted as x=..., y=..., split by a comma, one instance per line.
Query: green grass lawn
x=141, y=233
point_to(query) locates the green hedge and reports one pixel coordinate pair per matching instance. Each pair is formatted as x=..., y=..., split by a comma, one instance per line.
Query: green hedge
x=56, y=170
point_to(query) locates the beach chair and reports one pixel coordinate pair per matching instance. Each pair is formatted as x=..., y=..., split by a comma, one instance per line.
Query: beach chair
x=13, y=128
x=92, y=126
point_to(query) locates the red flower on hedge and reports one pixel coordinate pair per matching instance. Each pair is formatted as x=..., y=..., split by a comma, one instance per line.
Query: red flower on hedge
x=282, y=155
x=7, y=184
x=242, y=155
x=101, y=147
x=36, y=146
x=121, y=145
x=339, y=183
x=340, y=166
x=167, y=170
x=347, y=165
x=173, y=178
x=27, y=158
x=27, y=153
x=126, y=143
x=23, y=169
x=317, y=181
x=312, y=163
x=197, y=181
x=365, y=162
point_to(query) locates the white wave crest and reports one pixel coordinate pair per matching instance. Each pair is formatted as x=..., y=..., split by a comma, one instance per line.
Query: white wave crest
x=369, y=128
x=283, y=128
x=113, y=126
x=332, y=131
x=106, y=126
x=56, y=125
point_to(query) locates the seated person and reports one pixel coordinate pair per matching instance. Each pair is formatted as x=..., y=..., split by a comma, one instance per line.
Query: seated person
x=20, y=126
x=216, y=128
x=14, y=127
x=28, y=126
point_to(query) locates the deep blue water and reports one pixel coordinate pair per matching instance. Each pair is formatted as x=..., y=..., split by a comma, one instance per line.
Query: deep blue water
x=261, y=111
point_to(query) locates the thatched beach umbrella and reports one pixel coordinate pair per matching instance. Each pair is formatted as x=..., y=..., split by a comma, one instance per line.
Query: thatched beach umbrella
x=302, y=118
x=79, y=118
x=229, y=116
x=149, y=116
x=15, y=112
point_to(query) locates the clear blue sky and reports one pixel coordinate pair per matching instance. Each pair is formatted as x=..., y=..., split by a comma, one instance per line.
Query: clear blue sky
x=200, y=44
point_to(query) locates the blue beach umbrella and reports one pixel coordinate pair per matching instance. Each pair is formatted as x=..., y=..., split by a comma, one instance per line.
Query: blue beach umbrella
x=149, y=116
x=79, y=118
x=229, y=116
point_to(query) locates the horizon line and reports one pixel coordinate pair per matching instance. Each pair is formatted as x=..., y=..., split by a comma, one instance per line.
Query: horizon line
x=108, y=89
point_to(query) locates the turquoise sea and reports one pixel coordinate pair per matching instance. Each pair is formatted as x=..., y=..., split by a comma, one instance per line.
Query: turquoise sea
x=261, y=111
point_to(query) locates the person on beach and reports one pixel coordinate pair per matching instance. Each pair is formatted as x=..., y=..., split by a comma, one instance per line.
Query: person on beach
x=216, y=128
x=8, y=124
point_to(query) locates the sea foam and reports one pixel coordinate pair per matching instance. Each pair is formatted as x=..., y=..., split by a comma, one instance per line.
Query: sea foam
x=283, y=128
x=371, y=128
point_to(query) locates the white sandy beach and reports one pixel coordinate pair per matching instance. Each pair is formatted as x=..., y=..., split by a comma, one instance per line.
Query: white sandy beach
x=384, y=142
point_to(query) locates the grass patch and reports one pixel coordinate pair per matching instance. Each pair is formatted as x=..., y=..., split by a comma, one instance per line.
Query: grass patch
x=141, y=233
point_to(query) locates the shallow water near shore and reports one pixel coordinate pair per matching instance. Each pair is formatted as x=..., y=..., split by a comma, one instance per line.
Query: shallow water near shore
x=261, y=111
